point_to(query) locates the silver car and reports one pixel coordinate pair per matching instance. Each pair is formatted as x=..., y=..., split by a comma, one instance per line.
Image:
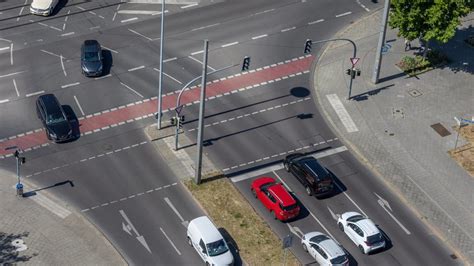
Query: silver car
x=324, y=249
x=43, y=7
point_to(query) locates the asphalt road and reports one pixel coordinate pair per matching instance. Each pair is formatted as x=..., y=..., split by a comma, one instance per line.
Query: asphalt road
x=114, y=173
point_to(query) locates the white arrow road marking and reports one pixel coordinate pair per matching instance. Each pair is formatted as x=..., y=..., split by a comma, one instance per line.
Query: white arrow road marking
x=381, y=203
x=171, y=242
x=333, y=215
x=129, y=226
x=295, y=230
x=385, y=202
x=183, y=222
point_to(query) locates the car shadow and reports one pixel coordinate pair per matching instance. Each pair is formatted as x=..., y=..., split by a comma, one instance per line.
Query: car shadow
x=108, y=61
x=234, y=248
x=339, y=187
x=60, y=5
x=303, y=211
x=72, y=118
x=388, y=243
x=352, y=260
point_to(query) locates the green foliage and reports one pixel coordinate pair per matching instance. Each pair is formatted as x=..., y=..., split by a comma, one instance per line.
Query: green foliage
x=418, y=64
x=430, y=19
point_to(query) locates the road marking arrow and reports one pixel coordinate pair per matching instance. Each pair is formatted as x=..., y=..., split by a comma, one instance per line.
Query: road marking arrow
x=385, y=202
x=382, y=202
x=295, y=230
x=129, y=226
x=333, y=215
x=183, y=222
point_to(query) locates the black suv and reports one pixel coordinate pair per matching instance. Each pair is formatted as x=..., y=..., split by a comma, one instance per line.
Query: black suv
x=91, y=58
x=53, y=117
x=316, y=179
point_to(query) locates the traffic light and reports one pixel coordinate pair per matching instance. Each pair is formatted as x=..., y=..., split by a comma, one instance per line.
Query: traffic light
x=358, y=72
x=348, y=71
x=246, y=63
x=307, y=46
x=352, y=72
x=173, y=121
x=22, y=160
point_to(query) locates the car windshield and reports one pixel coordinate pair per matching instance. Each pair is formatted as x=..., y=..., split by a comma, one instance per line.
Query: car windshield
x=318, y=238
x=288, y=208
x=339, y=260
x=216, y=248
x=356, y=218
x=91, y=56
x=55, y=118
x=374, y=238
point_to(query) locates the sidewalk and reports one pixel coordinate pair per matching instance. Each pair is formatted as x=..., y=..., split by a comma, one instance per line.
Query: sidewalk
x=389, y=125
x=38, y=231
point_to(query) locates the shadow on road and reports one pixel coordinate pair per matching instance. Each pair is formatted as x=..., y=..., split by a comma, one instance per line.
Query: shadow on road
x=234, y=248
x=33, y=192
x=72, y=118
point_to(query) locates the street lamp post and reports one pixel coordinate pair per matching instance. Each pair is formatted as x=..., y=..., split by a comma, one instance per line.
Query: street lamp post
x=161, y=65
x=19, y=160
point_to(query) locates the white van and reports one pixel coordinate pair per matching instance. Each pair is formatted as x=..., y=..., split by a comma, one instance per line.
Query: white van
x=208, y=242
x=42, y=7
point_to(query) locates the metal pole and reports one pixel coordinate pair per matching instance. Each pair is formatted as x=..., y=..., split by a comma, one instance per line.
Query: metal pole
x=350, y=84
x=176, y=134
x=201, y=114
x=378, y=55
x=18, y=167
x=161, y=65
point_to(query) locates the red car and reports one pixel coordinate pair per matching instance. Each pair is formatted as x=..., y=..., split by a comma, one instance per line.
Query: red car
x=275, y=198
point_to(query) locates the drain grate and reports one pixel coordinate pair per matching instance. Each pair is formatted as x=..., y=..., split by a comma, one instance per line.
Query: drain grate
x=415, y=93
x=398, y=113
x=440, y=129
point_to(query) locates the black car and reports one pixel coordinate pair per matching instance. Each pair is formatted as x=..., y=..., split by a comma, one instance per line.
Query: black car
x=316, y=179
x=91, y=58
x=54, y=119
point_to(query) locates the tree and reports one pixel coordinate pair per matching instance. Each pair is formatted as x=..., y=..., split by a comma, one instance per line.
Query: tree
x=428, y=19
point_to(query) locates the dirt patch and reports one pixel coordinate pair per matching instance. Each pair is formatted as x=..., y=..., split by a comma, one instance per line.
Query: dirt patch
x=464, y=155
x=256, y=243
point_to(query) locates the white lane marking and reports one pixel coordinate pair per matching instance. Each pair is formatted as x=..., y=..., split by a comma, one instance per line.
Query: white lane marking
x=54, y=28
x=62, y=65
x=5, y=48
x=126, y=86
x=81, y=8
x=11, y=74
x=384, y=204
x=168, y=201
x=70, y=85
x=68, y=33
x=128, y=20
x=197, y=60
x=342, y=113
x=229, y=44
x=169, y=76
x=34, y=93
x=136, y=68
x=205, y=27
x=11, y=54
x=197, y=52
x=170, y=59
x=138, y=12
x=50, y=53
x=266, y=11
x=79, y=105
x=139, y=34
x=283, y=182
x=171, y=242
x=190, y=5
x=158, y=13
x=259, y=36
x=288, y=29
x=364, y=7
x=275, y=167
x=113, y=18
x=5, y=40
x=93, y=13
x=112, y=50
x=4, y=101
x=95, y=27
x=65, y=19
x=343, y=14
x=103, y=77
x=21, y=10
x=316, y=21
x=16, y=88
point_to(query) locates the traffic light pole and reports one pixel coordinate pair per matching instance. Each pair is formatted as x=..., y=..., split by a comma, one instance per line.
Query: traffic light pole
x=354, y=54
x=160, y=107
x=202, y=104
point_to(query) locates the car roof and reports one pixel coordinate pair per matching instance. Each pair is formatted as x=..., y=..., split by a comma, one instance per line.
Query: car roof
x=368, y=227
x=50, y=102
x=312, y=165
x=91, y=45
x=207, y=229
x=331, y=248
x=282, y=195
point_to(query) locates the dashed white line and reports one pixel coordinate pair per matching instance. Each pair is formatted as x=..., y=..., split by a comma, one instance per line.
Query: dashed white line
x=169, y=76
x=11, y=74
x=259, y=36
x=171, y=242
x=139, y=34
x=136, y=68
x=5, y=48
x=343, y=14
x=11, y=54
x=128, y=20
x=190, y=5
x=21, y=10
x=211, y=68
x=50, y=53
x=126, y=86
x=316, y=21
x=68, y=33
x=16, y=88
x=112, y=50
x=197, y=52
x=170, y=59
x=34, y=93
x=229, y=44
x=4, y=101
x=70, y=85
x=288, y=29
x=62, y=65
x=79, y=105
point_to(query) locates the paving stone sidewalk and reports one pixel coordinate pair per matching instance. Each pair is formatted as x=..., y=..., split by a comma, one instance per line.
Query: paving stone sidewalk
x=30, y=233
x=391, y=130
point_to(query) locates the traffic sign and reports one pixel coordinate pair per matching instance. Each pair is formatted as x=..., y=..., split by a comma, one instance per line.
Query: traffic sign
x=354, y=60
x=178, y=109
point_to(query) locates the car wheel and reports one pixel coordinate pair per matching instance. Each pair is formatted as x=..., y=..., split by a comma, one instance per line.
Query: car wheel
x=305, y=248
x=341, y=227
x=309, y=191
x=254, y=192
x=190, y=242
x=361, y=248
x=287, y=167
x=47, y=134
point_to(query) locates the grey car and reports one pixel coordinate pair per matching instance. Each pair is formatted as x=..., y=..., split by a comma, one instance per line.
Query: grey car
x=91, y=58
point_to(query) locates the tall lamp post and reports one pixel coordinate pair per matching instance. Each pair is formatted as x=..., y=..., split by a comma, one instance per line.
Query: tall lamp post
x=19, y=160
x=160, y=107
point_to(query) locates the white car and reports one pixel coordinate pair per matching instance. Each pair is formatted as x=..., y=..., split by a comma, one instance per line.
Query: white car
x=42, y=7
x=362, y=231
x=208, y=242
x=324, y=249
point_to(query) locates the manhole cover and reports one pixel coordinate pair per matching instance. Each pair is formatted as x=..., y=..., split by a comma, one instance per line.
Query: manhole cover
x=415, y=93
x=441, y=130
x=398, y=112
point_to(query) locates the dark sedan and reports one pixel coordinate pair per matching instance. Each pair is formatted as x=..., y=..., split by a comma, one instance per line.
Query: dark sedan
x=53, y=117
x=91, y=58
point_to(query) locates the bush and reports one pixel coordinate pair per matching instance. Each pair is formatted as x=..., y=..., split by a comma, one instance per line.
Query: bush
x=413, y=65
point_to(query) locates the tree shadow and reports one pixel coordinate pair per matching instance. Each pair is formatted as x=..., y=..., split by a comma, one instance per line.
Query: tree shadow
x=72, y=118
x=8, y=252
x=233, y=247
x=460, y=53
